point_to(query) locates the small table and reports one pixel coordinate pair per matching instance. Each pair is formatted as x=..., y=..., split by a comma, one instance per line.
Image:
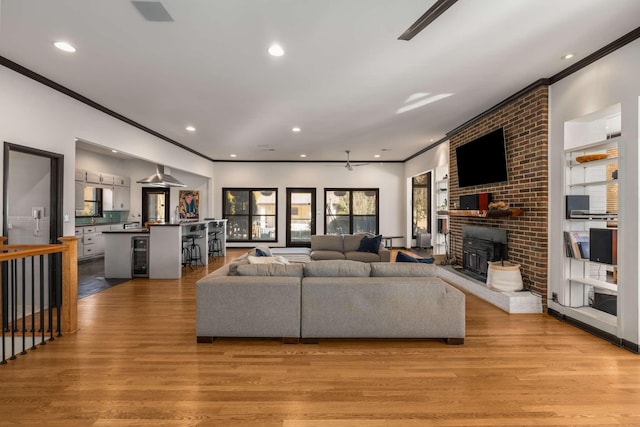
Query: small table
x=388, y=240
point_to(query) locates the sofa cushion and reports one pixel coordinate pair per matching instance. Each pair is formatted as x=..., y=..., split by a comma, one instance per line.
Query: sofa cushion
x=233, y=266
x=391, y=269
x=351, y=242
x=326, y=242
x=327, y=255
x=370, y=244
x=362, y=256
x=402, y=257
x=284, y=270
x=337, y=268
x=267, y=260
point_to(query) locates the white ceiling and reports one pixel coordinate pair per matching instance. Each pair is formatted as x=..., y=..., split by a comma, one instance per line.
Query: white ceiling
x=342, y=79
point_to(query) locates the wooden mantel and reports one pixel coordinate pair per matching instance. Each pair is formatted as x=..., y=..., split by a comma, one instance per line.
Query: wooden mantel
x=491, y=213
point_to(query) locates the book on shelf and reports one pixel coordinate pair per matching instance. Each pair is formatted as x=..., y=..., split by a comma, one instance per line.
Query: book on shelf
x=577, y=244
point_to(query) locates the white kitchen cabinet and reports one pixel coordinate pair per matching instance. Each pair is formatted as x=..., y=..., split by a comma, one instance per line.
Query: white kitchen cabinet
x=81, y=175
x=94, y=177
x=122, y=181
x=121, y=198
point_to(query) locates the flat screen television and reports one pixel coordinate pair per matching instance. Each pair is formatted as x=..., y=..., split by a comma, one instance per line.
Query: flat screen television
x=482, y=160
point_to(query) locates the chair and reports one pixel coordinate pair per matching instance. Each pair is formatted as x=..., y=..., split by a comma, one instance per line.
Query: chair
x=214, y=244
x=193, y=248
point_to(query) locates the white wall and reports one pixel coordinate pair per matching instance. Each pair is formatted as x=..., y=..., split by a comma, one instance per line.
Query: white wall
x=435, y=160
x=388, y=177
x=609, y=81
x=36, y=116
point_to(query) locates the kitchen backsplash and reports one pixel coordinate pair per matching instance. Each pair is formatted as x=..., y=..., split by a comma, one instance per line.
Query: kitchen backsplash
x=108, y=217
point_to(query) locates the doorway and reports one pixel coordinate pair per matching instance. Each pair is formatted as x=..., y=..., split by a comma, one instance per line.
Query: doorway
x=32, y=194
x=155, y=205
x=301, y=216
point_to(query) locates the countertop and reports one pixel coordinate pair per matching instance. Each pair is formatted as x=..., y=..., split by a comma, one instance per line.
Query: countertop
x=128, y=230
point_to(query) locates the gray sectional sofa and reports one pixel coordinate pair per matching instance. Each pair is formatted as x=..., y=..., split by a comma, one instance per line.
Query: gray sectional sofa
x=328, y=299
x=347, y=246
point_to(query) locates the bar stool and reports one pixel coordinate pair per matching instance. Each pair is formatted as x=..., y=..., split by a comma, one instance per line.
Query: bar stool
x=186, y=252
x=215, y=245
x=195, y=253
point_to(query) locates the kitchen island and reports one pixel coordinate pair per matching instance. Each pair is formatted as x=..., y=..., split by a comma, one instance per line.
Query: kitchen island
x=164, y=249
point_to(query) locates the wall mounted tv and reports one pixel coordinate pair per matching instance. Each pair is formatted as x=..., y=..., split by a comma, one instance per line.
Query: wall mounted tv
x=482, y=160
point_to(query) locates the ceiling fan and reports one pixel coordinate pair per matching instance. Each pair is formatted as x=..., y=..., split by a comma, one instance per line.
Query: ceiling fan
x=349, y=166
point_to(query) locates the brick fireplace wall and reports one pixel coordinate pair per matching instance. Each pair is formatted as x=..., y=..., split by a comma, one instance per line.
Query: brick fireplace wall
x=525, y=121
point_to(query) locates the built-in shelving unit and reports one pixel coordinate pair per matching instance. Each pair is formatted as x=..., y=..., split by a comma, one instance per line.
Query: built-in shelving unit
x=442, y=215
x=590, y=281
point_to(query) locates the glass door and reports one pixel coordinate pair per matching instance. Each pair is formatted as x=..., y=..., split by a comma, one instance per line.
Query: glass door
x=301, y=217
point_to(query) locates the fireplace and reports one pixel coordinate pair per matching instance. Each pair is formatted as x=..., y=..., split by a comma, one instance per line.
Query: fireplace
x=481, y=245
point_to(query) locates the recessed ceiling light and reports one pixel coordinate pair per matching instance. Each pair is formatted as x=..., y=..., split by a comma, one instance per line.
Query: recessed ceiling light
x=190, y=128
x=233, y=155
x=377, y=156
x=303, y=155
x=114, y=151
x=65, y=46
x=295, y=129
x=276, y=50
x=567, y=56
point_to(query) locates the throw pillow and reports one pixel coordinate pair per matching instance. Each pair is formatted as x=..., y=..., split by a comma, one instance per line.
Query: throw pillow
x=267, y=260
x=370, y=244
x=260, y=252
x=402, y=257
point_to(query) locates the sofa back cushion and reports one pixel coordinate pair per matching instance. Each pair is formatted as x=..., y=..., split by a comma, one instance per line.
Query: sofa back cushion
x=352, y=241
x=326, y=242
x=283, y=270
x=403, y=269
x=337, y=268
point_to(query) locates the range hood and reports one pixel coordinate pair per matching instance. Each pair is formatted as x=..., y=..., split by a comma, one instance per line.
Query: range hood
x=161, y=179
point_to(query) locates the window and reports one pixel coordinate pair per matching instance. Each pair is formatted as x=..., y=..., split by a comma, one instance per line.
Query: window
x=251, y=214
x=92, y=203
x=349, y=211
x=421, y=203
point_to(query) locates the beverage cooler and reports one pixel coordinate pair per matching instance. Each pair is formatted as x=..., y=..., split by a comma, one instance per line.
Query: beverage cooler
x=140, y=256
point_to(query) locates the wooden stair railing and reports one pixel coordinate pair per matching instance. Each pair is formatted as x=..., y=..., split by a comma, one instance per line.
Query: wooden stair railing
x=67, y=304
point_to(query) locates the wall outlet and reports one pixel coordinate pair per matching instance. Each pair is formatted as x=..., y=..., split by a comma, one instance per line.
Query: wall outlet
x=554, y=296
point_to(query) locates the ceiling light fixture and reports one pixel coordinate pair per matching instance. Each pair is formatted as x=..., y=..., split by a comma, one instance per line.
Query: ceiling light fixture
x=233, y=156
x=295, y=129
x=114, y=151
x=377, y=156
x=190, y=128
x=438, y=8
x=303, y=155
x=276, y=50
x=64, y=46
x=567, y=56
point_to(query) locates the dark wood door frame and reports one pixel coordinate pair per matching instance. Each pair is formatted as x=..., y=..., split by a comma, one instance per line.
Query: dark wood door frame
x=290, y=191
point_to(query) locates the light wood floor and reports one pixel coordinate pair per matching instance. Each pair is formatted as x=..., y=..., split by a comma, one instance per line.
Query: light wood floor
x=135, y=362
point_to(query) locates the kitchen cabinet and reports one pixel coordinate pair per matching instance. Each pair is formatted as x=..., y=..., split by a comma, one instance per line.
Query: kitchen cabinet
x=94, y=177
x=121, y=198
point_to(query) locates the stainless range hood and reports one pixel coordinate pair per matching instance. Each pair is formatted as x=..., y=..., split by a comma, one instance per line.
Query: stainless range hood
x=161, y=179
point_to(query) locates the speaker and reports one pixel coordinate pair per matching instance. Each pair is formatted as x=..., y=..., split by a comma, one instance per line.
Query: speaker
x=605, y=302
x=603, y=245
x=576, y=203
x=475, y=202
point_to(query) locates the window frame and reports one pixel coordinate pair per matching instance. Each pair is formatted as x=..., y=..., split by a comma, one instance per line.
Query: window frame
x=249, y=215
x=428, y=199
x=351, y=215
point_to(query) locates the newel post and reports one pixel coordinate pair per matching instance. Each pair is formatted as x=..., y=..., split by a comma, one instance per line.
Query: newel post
x=69, y=309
